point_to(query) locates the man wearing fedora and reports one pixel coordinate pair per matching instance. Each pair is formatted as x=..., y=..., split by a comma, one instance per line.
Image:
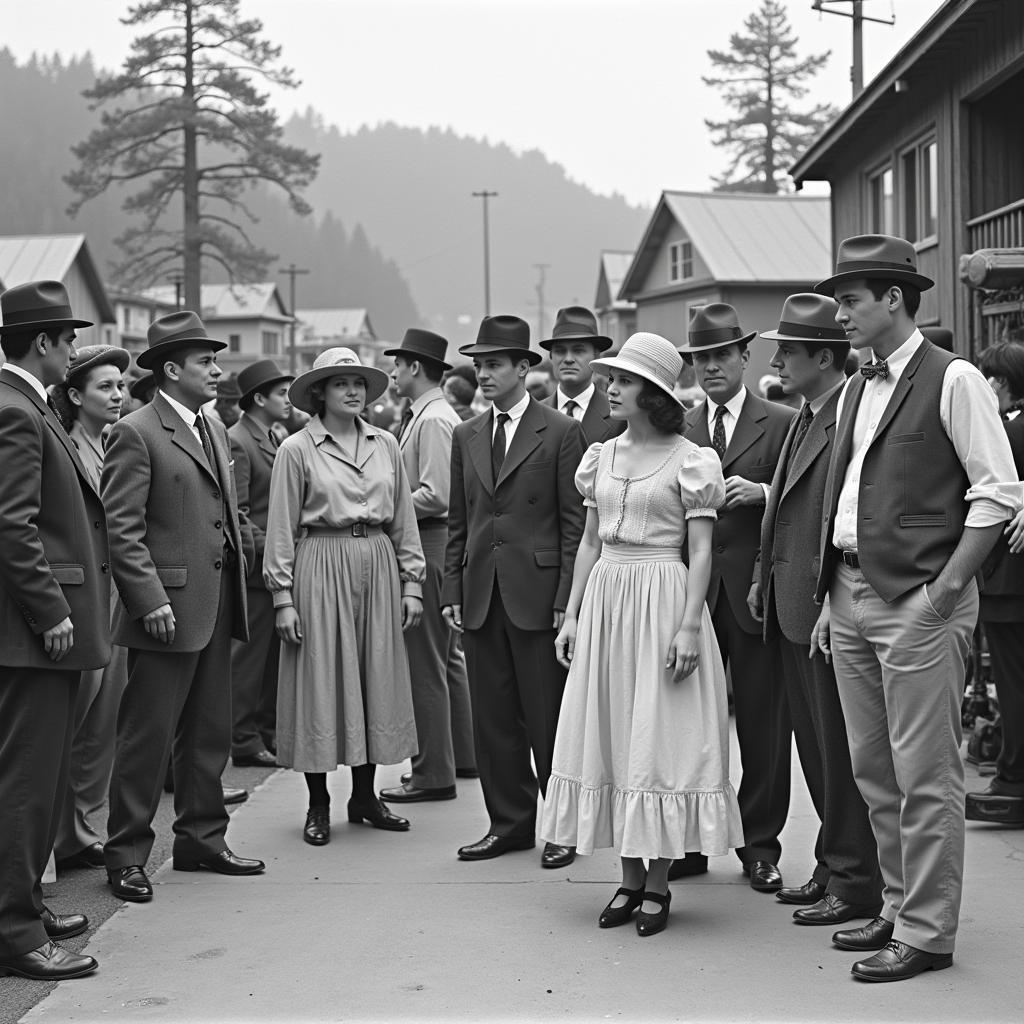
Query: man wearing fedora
x=179, y=552
x=514, y=522
x=437, y=666
x=574, y=342
x=54, y=611
x=917, y=493
x=809, y=358
x=748, y=433
x=263, y=400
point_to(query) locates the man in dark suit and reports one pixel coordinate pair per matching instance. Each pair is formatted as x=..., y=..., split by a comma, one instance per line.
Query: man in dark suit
x=263, y=402
x=179, y=554
x=54, y=608
x=515, y=520
x=810, y=357
x=574, y=342
x=747, y=432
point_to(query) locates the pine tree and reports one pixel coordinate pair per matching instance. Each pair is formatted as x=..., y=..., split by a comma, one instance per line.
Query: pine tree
x=760, y=78
x=190, y=127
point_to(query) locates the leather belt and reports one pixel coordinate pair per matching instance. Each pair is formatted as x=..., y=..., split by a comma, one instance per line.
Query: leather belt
x=849, y=558
x=355, y=530
x=432, y=521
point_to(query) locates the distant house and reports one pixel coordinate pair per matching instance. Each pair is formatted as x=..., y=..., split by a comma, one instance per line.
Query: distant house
x=933, y=150
x=318, y=329
x=134, y=313
x=63, y=258
x=750, y=250
x=252, y=318
x=616, y=318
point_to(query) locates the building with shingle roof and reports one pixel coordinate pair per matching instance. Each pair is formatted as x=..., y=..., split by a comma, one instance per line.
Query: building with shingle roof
x=616, y=318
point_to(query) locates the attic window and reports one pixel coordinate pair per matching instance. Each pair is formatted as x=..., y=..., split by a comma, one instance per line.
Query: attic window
x=680, y=261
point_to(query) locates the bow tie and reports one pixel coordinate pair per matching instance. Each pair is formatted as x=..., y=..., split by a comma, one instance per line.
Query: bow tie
x=878, y=368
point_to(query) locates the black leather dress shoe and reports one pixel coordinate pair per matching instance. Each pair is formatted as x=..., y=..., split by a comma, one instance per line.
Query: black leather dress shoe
x=764, y=876
x=377, y=815
x=130, y=884
x=466, y=773
x=235, y=796
x=495, y=846
x=898, y=961
x=63, y=926
x=317, y=830
x=48, y=963
x=873, y=935
x=261, y=759
x=90, y=857
x=805, y=895
x=832, y=910
x=688, y=866
x=224, y=863
x=555, y=856
x=407, y=793
x=1001, y=803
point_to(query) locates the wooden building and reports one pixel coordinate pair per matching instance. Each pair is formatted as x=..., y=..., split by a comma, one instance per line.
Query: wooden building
x=933, y=150
x=616, y=318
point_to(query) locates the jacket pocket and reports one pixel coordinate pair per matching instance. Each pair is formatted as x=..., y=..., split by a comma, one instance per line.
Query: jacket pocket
x=935, y=519
x=68, y=575
x=548, y=559
x=172, y=575
x=759, y=474
x=906, y=438
x=535, y=467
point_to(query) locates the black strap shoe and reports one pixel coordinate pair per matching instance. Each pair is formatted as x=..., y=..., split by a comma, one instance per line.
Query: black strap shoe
x=612, y=917
x=651, y=924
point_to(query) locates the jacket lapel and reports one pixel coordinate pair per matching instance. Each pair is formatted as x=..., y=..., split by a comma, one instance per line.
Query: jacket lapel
x=525, y=440
x=821, y=430
x=595, y=419
x=748, y=428
x=903, y=386
x=697, y=425
x=182, y=435
x=262, y=438
x=480, y=452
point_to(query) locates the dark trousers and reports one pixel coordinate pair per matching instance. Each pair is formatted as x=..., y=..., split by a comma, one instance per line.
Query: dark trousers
x=178, y=702
x=763, y=730
x=37, y=711
x=1006, y=650
x=254, y=679
x=846, y=851
x=516, y=686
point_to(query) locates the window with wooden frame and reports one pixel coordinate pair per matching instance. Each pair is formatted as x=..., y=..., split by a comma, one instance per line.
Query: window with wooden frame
x=270, y=343
x=919, y=190
x=881, y=211
x=680, y=261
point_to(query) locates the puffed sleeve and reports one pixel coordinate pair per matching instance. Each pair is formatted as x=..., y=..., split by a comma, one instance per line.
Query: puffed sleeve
x=701, y=484
x=586, y=474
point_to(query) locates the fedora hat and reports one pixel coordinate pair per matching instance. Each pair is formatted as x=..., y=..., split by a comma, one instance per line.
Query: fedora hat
x=259, y=375
x=882, y=256
x=941, y=337
x=808, y=316
x=713, y=326
x=37, y=304
x=503, y=334
x=175, y=330
x=142, y=388
x=649, y=356
x=227, y=387
x=576, y=323
x=420, y=344
x=331, y=363
x=96, y=355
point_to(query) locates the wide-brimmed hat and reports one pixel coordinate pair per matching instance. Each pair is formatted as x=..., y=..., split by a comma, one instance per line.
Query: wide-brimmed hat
x=37, y=304
x=139, y=387
x=576, y=323
x=181, y=329
x=330, y=363
x=649, y=356
x=227, y=387
x=96, y=355
x=503, y=334
x=713, y=326
x=808, y=316
x=942, y=337
x=259, y=375
x=879, y=256
x=420, y=344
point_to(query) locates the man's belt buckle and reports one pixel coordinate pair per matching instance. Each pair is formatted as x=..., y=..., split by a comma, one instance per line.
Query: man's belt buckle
x=850, y=558
x=359, y=529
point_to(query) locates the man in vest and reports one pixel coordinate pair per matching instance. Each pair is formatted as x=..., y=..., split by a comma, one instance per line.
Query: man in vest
x=916, y=497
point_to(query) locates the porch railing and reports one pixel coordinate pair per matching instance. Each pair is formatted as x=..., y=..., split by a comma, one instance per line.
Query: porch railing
x=997, y=229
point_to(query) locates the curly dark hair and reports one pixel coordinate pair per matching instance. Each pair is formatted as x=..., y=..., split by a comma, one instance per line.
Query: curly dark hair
x=665, y=413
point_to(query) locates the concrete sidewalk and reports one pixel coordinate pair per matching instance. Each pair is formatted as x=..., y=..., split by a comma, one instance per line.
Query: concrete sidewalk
x=392, y=927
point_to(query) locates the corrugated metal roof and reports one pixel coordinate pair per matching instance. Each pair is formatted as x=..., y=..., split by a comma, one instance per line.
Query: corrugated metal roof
x=26, y=258
x=333, y=323
x=231, y=301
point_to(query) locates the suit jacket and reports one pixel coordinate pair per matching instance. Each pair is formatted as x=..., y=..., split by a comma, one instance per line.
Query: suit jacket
x=522, y=530
x=53, y=539
x=790, y=559
x=164, y=516
x=253, y=453
x=753, y=454
x=426, y=444
x=597, y=423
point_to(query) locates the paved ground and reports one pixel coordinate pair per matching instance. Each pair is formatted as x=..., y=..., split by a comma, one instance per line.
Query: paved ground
x=385, y=927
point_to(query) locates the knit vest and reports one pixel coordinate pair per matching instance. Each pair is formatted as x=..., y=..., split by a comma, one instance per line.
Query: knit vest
x=910, y=504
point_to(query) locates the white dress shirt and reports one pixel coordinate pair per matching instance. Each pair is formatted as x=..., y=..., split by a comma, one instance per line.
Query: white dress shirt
x=515, y=414
x=187, y=415
x=582, y=401
x=35, y=382
x=733, y=408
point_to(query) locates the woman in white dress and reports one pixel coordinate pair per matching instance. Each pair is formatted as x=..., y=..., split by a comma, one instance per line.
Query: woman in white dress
x=641, y=759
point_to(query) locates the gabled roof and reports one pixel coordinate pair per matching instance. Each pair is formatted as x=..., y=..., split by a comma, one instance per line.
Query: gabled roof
x=742, y=237
x=26, y=258
x=260, y=301
x=334, y=323
x=610, y=275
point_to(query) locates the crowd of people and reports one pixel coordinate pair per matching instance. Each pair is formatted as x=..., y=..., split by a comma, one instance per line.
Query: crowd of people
x=545, y=593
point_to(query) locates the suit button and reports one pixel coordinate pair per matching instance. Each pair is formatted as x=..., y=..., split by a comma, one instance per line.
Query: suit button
x=96, y=525
x=104, y=567
x=217, y=564
x=217, y=525
x=216, y=495
x=719, y=548
x=496, y=514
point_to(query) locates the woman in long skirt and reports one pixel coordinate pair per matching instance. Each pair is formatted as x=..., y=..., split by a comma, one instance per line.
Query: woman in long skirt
x=641, y=759
x=345, y=567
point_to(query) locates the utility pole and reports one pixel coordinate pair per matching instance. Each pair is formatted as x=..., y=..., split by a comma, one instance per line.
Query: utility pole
x=178, y=280
x=541, y=268
x=485, y=195
x=859, y=17
x=293, y=272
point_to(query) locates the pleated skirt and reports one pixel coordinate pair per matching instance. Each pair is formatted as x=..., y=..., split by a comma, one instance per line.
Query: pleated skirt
x=641, y=763
x=343, y=694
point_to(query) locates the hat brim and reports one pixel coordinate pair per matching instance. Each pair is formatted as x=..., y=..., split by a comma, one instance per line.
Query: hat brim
x=119, y=357
x=265, y=384
x=377, y=382
x=412, y=354
x=599, y=341
x=500, y=350
x=139, y=387
x=688, y=350
x=152, y=356
x=627, y=366
x=40, y=324
x=919, y=281
x=779, y=336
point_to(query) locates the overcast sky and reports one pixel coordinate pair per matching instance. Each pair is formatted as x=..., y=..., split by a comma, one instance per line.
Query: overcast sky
x=611, y=89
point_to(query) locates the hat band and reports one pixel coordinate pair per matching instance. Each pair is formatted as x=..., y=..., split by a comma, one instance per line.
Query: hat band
x=571, y=331
x=713, y=335
x=852, y=266
x=504, y=343
x=810, y=332
x=29, y=316
x=186, y=334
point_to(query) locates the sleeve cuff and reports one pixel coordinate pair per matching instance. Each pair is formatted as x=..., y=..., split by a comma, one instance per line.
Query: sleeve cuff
x=701, y=513
x=412, y=589
x=282, y=599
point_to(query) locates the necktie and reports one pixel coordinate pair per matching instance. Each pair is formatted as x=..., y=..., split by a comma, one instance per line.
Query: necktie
x=801, y=430
x=273, y=439
x=405, y=421
x=204, y=437
x=718, y=437
x=498, y=445
x=570, y=408
x=56, y=412
x=879, y=368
